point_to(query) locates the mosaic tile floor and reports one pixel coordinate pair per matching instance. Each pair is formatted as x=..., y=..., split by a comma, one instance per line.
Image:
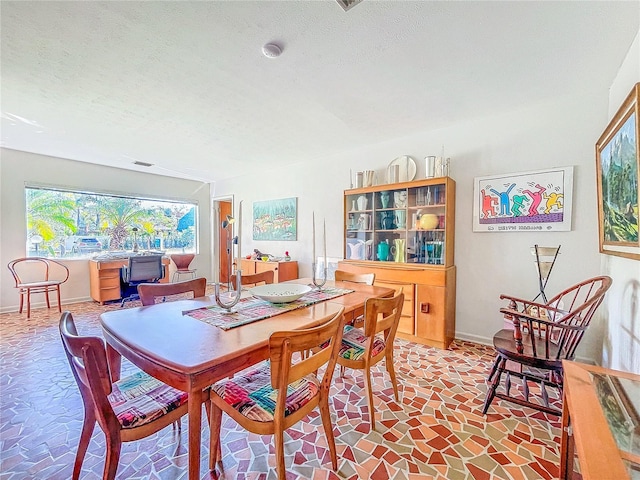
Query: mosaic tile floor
x=436, y=432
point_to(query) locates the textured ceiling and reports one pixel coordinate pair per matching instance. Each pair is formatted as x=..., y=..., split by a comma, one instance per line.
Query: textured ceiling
x=184, y=85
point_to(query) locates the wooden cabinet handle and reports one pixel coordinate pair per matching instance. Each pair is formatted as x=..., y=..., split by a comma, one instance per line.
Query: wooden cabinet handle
x=424, y=307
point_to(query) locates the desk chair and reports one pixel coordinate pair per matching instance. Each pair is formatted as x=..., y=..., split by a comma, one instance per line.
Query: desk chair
x=34, y=275
x=141, y=269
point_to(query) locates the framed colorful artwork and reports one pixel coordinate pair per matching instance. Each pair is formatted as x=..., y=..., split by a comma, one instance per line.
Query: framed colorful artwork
x=522, y=202
x=618, y=164
x=275, y=219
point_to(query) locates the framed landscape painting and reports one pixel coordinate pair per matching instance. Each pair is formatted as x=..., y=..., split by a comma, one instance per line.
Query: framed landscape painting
x=618, y=164
x=275, y=219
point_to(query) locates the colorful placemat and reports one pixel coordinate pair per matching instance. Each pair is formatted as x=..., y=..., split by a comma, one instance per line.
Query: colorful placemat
x=252, y=309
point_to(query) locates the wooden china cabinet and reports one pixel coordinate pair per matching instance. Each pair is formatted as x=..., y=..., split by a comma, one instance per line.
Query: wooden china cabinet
x=404, y=233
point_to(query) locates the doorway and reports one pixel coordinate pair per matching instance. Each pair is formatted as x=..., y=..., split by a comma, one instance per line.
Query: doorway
x=225, y=249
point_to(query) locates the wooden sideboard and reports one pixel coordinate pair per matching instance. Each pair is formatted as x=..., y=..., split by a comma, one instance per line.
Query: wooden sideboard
x=104, y=278
x=586, y=431
x=282, y=271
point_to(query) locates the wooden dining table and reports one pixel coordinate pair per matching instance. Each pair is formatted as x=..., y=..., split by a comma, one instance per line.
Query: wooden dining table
x=190, y=355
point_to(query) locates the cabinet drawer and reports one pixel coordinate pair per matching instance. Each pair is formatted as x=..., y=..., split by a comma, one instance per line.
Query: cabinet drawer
x=109, y=293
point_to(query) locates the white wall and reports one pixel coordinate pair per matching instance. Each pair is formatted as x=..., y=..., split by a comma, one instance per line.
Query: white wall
x=555, y=134
x=18, y=168
x=621, y=329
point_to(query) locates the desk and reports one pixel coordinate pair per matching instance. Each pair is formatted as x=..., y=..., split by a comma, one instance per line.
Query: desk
x=585, y=428
x=191, y=355
x=104, y=278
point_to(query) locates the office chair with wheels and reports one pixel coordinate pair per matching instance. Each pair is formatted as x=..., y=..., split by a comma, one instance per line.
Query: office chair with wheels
x=141, y=269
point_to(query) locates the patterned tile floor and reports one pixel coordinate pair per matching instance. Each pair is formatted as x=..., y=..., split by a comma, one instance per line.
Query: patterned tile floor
x=437, y=431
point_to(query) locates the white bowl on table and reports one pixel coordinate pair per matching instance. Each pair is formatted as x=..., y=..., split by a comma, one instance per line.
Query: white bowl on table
x=280, y=292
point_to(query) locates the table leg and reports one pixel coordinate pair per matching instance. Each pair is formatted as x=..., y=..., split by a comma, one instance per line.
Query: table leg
x=195, y=420
x=567, y=444
x=114, y=360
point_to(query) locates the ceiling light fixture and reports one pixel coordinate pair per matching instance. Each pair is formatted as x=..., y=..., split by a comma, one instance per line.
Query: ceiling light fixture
x=271, y=50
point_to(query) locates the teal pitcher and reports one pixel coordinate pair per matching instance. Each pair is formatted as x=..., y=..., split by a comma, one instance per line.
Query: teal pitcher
x=383, y=251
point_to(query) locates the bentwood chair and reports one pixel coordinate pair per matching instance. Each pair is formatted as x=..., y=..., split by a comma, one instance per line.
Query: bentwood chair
x=129, y=409
x=363, y=348
x=257, y=278
x=38, y=275
x=278, y=393
x=182, y=262
x=542, y=336
x=148, y=292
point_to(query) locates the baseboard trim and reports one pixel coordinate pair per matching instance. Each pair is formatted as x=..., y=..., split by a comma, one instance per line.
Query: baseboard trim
x=474, y=338
x=43, y=304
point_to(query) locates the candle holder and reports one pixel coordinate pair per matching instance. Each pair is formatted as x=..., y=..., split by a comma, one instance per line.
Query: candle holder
x=228, y=306
x=324, y=279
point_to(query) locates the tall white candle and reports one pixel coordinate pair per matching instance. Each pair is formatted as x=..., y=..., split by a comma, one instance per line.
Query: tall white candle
x=239, y=236
x=216, y=256
x=313, y=258
x=324, y=248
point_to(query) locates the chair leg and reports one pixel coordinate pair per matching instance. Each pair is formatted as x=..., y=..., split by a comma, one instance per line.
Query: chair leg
x=491, y=393
x=325, y=414
x=46, y=295
x=278, y=438
x=87, y=430
x=494, y=368
x=215, y=422
x=59, y=304
x=113, y=457
x=392, y=373
x=367, y=383
x=28, y=304
x=21, y=301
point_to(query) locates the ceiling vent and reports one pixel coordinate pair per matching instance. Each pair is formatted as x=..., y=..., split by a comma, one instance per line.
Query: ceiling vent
x=142, y=164
x=348, y=4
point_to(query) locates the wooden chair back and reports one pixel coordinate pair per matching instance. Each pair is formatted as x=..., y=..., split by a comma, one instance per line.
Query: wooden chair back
x=148, y=292
x=88, y=361
x=256, y=278
x=366, y=278
x=383, y=315
x=556, y=328
x=283, y=345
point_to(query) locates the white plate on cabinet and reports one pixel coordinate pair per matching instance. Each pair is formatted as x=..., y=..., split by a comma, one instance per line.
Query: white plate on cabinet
x=407, y=171
x=280, y=292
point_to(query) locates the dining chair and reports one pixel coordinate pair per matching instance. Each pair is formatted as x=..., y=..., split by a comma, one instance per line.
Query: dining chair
x=38, y=275
x=363, y=348
x=256, y=278
x=542, y=336
x=148, y=292
x=182, y=262
x=278, y=393
x=364, y=278
x=129, y=409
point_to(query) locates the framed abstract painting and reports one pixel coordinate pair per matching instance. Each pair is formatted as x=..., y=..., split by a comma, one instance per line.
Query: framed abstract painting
x=618, y=165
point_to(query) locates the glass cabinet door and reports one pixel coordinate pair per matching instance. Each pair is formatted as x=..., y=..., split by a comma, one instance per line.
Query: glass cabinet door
x=427, y=210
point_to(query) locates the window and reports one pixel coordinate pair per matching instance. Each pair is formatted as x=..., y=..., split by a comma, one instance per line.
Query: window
x=68, y=224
